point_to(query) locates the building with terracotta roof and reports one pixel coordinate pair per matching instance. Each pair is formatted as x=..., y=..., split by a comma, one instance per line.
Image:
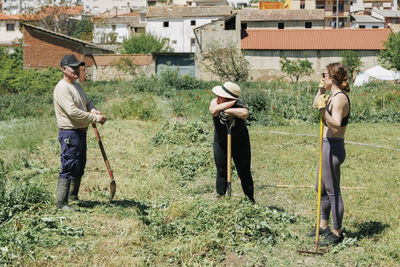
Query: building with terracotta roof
x=366, y=22
x=31, y=6
x=282, y=18
x=176, y=23
x=9, y=29
x=264, y=48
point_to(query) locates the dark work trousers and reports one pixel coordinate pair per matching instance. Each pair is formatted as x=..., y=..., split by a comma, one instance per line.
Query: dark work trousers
x=73, y=153
x=241, y=155
x=333, y=156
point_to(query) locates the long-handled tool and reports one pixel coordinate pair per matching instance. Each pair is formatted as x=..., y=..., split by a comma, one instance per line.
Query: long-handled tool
x=113, y=185
x=321, y=132
x=305, y=186
x=229, y=154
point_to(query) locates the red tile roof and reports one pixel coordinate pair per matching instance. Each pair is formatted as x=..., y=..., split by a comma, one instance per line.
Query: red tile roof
x=52, y=10
x=318, y=39
x=8, y=17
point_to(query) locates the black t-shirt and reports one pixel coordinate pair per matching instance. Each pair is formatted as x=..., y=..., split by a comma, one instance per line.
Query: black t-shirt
x=239, y=130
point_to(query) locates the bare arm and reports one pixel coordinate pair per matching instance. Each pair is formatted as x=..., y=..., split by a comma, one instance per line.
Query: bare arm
x=340, y=107
x=241, y=113
x=215, y=108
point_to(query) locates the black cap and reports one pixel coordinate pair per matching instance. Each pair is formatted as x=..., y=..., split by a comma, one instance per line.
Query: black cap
x=70, y=60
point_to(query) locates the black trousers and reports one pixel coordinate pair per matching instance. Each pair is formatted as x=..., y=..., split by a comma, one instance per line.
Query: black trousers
x=241, y=155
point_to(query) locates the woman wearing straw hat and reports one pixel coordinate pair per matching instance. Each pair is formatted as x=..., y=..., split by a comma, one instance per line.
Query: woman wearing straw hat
x=336, y=112
x=227, y=110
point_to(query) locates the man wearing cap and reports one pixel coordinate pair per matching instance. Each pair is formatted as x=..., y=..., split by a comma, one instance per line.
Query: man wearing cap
x=74, y=113
x=228, y=110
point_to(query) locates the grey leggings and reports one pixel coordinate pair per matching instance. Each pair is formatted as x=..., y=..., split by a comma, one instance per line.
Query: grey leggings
x=333, y=156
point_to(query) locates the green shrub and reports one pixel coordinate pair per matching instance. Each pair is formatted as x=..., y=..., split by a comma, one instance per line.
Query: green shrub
x=139, y=106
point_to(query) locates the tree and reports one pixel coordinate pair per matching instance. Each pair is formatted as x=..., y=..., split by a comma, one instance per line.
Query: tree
x=83, y=30
x=227, y=62
x=390, y=57
x=296, y=68
x=352, y=62
x=145, y=43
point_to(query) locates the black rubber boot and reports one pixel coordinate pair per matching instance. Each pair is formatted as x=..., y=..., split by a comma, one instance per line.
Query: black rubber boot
x=74, y=189
x=62, y=194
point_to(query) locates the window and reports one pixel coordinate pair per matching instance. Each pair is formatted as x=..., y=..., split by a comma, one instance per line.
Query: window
x=166, y=24
x=281, y=25
x=10, y=27
x=375, y=27
x=361, y=26
x=243, y=26
x=230, y=24
x=173, y=41
x=113, y=27
x=302, y=4
x=320, y=5
x=308, y=25
x=192, y=41
x=193, y=23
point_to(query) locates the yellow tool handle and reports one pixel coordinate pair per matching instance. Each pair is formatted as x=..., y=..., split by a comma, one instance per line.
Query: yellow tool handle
x=229, y=157
x=321, y=132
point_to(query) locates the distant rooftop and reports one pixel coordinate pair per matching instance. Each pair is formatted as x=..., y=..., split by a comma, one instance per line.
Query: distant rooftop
x=174, y=12
x=281, y=14
x=387, y=13
x=366, y=19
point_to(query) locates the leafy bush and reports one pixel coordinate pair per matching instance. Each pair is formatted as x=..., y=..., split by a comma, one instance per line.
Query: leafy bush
x=18, y=196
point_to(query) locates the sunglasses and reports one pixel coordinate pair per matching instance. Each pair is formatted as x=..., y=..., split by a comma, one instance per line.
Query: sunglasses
x=325, y=74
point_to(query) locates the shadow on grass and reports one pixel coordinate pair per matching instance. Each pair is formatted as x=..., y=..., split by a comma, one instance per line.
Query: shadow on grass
x=124, y=203
x=368, y=229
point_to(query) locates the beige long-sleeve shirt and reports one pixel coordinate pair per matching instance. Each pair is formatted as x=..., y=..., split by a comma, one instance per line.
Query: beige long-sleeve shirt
x=72, y=106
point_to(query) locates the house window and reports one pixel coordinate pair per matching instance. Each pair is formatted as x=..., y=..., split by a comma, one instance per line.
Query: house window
x=375, y=27
x=281, y=25
x=320, y=5
x=166, y=24
x=308, y=25
x=193, y=23
x=361, y=26
x=173, y=42
x=10, y=27
x=302, y=4
x=113, y=27
x=192, y=41
x=243, y=26
x=230, y=24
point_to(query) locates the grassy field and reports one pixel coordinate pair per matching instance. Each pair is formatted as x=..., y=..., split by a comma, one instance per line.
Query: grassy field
x=165, y=211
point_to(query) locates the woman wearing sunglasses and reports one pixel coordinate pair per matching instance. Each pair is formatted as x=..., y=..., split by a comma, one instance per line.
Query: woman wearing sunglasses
x=335, y=111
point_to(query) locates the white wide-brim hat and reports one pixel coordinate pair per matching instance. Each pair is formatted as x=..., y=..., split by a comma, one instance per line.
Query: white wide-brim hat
x=228, y=90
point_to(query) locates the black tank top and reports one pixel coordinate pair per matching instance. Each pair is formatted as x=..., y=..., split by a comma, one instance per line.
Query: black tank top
x=345, y=120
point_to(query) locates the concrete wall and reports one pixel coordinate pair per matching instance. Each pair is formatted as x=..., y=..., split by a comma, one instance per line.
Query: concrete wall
x=210, y=34
x=102, y=67
x=264, y=65
x=288, y=24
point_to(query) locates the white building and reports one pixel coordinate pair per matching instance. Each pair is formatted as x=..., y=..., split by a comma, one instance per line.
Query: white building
x=29, y=6
x=176, y=23
x=97, y=7
x=366, y=22
x=118, y=28
x=9, y=29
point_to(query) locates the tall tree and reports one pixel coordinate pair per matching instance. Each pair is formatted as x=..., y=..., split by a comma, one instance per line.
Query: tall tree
x=296, y=69
x=352, y=62
x=390, y=56
x=145, y=43
x=83, y=30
